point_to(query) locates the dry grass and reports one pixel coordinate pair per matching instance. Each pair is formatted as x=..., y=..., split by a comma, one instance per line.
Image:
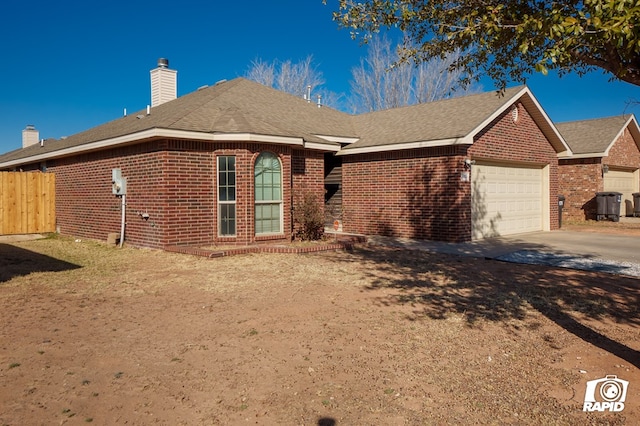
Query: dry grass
x=629, y=226
x=372, y=336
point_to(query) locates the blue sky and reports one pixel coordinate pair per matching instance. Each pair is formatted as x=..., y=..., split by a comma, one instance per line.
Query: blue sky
x=71, y=65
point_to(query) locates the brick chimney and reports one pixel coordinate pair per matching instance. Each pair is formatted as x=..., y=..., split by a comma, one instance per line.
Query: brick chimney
x=164, y=83
x=30, y=136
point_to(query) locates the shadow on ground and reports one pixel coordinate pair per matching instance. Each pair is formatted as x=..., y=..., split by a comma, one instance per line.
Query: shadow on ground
x=438, y=285
x=16, y=261
x=515, y=250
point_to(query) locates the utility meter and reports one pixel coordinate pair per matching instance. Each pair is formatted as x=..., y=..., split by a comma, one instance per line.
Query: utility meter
x=118, y=182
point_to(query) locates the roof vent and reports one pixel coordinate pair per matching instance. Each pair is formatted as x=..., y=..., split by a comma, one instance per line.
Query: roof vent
x=163, y=63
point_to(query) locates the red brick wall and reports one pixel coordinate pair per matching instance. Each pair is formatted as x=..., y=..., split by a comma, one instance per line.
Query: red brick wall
x=419, y=193
x=307, y=177
x=520, y=142
x=411, y=194
x=85, y=205
x=174, y=182
x=624, y=152
x=580, y=179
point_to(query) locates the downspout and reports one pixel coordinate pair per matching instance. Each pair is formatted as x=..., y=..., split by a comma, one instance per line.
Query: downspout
x=122, y=224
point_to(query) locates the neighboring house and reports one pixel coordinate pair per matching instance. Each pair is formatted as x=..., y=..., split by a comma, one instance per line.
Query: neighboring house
x=606, y=157
x=226, y=164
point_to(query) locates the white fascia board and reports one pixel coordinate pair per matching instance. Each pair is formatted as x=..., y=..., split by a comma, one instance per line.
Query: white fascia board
x=567, y=148
x=632, y=123
x=322, y=146
x=499, y=111
x=633, y=129
x=155, y=133
x=586, y=155
x=146, y=134
x=339, y=139
x=466, y=140
x=240, y=137
x=524, y=91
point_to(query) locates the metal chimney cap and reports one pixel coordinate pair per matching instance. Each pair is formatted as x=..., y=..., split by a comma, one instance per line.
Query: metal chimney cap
x=163, y=63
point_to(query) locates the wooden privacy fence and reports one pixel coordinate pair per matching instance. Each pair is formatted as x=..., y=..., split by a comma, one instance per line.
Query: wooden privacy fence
x=27, y=203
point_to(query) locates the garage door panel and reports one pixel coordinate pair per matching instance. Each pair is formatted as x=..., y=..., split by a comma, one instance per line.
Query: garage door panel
x=506, y=200
x=624, y=182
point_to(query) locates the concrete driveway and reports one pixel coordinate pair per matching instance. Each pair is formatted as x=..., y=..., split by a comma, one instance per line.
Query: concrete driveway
x=617, y=254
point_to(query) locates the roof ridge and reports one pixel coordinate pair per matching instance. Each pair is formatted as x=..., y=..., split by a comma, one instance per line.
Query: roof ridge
x=514, y=89
x=623, y=117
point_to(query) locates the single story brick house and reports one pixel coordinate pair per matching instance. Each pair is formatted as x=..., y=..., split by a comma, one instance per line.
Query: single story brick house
x=606, y=157
x=226, y=164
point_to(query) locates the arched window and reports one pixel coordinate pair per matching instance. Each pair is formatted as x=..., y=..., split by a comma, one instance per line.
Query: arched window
x=268, y=194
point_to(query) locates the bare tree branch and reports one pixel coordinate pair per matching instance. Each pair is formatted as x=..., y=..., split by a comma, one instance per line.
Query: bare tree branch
x=383, y=80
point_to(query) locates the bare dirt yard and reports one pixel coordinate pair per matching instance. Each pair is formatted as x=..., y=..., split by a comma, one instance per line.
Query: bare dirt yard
x=96, y=334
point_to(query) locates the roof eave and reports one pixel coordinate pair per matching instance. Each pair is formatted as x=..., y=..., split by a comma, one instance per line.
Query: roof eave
x=466, y=140
x=339, y=139
x=539, y=116
x=163, y=133
x=634, y=129
x=584, y=155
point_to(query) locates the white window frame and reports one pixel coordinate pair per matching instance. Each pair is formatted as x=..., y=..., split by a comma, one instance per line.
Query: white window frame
x=279, y=203
x=222, y=203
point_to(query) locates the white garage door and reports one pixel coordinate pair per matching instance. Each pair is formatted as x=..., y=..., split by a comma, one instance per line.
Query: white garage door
x=506, y=200
x=624, y=182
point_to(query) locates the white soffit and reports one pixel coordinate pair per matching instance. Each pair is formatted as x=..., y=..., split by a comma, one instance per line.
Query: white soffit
x=339, y=139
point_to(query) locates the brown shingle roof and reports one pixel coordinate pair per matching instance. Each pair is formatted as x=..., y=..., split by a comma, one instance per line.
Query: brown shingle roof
x=592, y=136
x=445, y=119
x=242, y=106
x=236, y=106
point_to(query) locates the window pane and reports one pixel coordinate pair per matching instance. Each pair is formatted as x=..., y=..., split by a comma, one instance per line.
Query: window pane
x=226, y=195
x=227, y=219
x=267, y=218
x=259, y=220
